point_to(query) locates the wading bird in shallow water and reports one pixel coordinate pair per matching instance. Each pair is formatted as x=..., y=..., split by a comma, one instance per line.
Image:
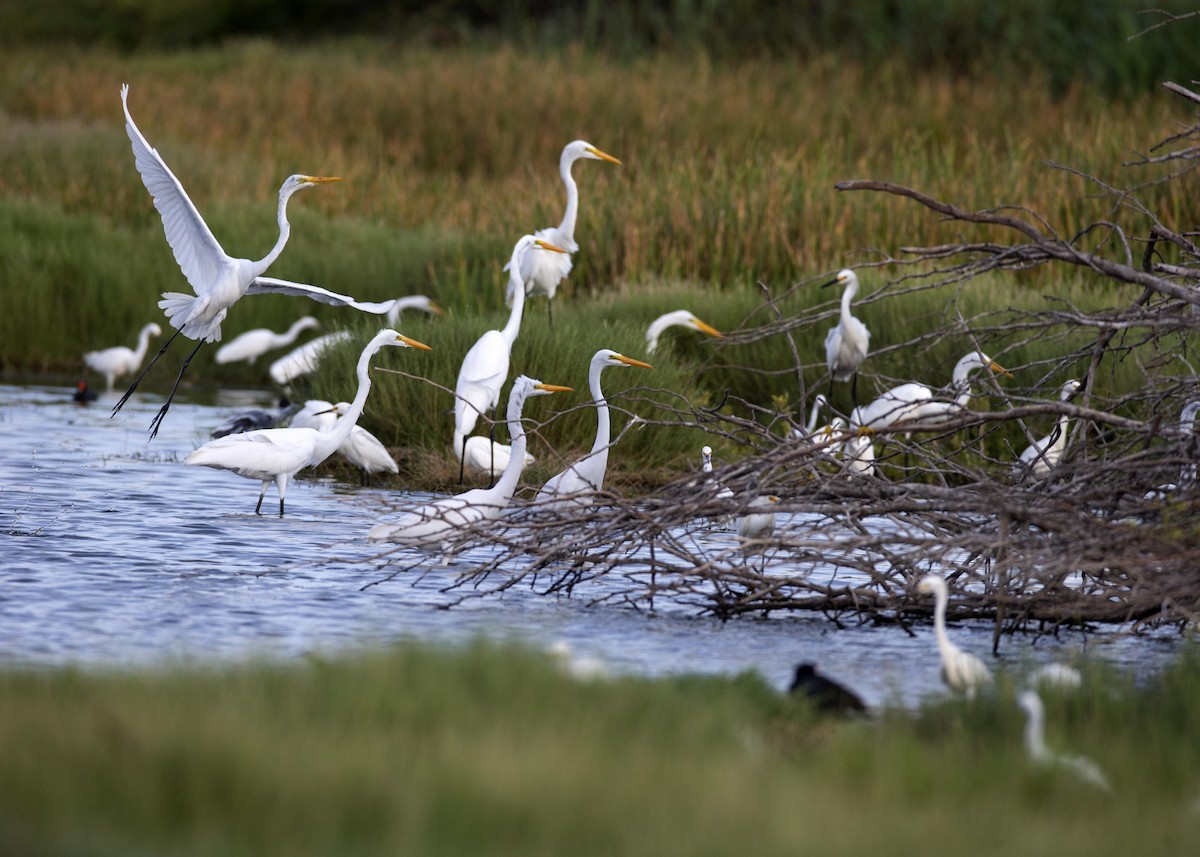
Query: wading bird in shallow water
x=847, y=343
x=961, y=671
x=678, y=318
x=252, y=344
x=1041, y=456
x=83, y=393
x=119, y=360
x=442, y=522
x=576, y=486
x=540, y=275
x=485, y=368
x=1035, y=745
x=218, y=279
x=278, y=454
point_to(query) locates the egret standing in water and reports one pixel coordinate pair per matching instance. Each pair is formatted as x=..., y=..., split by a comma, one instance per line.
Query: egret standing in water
x=253, y=344
x=577, y=486
x=278, y=454
x=917, y=404
x=438, y=524
x=678, y=318
x=961, y=671
x=218, y=279
x=120, y=360
x=1043, y=455
x=540, y=275
x=1035, y=744
x=847, y=343
x=485, y=368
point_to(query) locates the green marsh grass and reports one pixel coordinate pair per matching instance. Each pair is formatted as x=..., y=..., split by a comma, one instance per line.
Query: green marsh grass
x=488, y=749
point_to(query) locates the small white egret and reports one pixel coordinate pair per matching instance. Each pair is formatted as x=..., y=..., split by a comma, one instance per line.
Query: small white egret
x=278, y=454
x=255, y=419
x=485, y=367
x=824, y=694
x=253, y=344
x=814, y=414
x=361, y=448
x=218, y=279
x=490, y=456
x=540, y=274
x=576, y=486
x=917, y=404
x=114, y=362
x=305, y=358
x=760, y=523
x=417, y=302
x=859, y=453
x=438, y=524
x=723, y=492
x=847, y=343
x=1035, y=744
x=581, y=667
x=678, y=318
x=1057, y=677
x=961, y=671
x=1043, y=455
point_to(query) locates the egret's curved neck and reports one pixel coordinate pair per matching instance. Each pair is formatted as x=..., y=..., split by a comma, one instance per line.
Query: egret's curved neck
x=847, y=296
x=655, y=330
x=337, y=435
x=567, y=227
x=513, y=328
x=292, y=332
x=1035, y=733
x=507, y=483
x=285, y=229
x=603, y=424
x=939, y=621
x=143, y=343
x=812, y=417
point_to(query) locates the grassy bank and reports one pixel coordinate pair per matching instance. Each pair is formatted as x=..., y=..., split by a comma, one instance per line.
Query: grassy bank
x=489, y=750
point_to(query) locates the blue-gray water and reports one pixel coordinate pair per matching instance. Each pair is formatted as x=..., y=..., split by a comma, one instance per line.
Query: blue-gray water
x=115, y=552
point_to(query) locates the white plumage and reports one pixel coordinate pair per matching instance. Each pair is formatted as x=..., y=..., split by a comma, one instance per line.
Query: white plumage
x=917, y=405
x=1035, y=745
x=1041, y=456
x=962, y=671
x=361, y=448
x=847, y=342
x=119, y=360
x=417, y=302
x=252, y=344
x=678, y=318
x=305, y=358
x=759, y=524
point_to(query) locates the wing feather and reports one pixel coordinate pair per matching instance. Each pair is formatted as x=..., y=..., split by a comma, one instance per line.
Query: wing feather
x=271, y=285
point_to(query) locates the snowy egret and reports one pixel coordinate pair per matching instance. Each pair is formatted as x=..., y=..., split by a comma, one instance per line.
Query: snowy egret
x=1041, y=456
x=218, y=279
x=723, y=492
x=278, y=454
x=760, y=523
x=540, y=274
x=961, y=671
x=1035, y=745
x=847, y=343
x=576, y=486
x=255, y=419
x=917, y=405
x=678, y=318
x=485, y=367
x=253, y=344
x=440, y=523
x=417, y=302
x=824, y=694
x=305, y=358
x=114, y=362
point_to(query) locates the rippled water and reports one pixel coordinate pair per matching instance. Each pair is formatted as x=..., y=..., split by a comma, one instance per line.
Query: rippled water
x=117, y=553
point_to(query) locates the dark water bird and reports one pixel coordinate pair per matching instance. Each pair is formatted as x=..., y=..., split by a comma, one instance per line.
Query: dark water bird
x=256, y=419
x=825, y=695
x=84, y=393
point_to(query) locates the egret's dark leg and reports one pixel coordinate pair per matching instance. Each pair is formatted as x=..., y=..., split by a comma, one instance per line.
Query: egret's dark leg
x=854, y=388
x=139, y=378
x=261, y=494
x=281, y=506
x=829, y=395
x=492, y=448
x=550, y=311
x=462, y=462
x=156, y=423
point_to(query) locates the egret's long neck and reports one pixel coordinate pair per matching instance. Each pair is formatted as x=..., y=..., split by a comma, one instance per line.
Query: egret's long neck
x=939, y=621
x=513, y=328
x=1035, y=737
x=507, y=483
x=812, y=417
x=292, y=332
x=337, y=435
x=654, y=331
x=285, y=229
x=603, y=424
x=143, y=343
x=847, y=296
x=567, y=227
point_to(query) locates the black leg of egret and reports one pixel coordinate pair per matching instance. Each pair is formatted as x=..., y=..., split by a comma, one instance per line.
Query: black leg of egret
x=462, y=462
x=281, y=507
x=261, y=494
x=492, y=449
x=854, y=389
x=156, y=423
x=139, y=378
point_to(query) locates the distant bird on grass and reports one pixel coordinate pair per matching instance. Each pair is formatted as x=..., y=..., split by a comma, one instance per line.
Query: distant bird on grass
x=119, y=360
x=1035, y=745
x=824, y=694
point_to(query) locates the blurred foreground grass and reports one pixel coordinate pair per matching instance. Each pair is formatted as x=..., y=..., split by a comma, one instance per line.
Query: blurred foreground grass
x=491, y=750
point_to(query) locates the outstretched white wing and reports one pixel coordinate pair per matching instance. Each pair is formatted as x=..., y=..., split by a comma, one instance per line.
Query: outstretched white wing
x=273, y=286
x=196, y=250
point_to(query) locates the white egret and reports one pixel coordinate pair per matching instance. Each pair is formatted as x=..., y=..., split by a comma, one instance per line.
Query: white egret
x=490, y=456
x=846, y=343
x=218, y=279
x=1187, y=473
x=814, y=414
x=255, y=419
x=119, y=360
x=278, y=454
x=576, y=486
x=859, y=453
x=485, y=368
x=305, y=358
x=962, y=671
x=417, y=302
x=760, y=523
x=1035, y=745
x=540, y=275
x=361, y=448
x=1057, y=677
x=824, y=694
x=438, y=524
x=581, y=667
x=678, y=318
x=723, y=492
x=253, y=344
x=916, y=403
x=1043, y=455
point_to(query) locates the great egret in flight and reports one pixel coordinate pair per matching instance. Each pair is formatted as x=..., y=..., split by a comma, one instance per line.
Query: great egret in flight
x=917, y=404
x=541, y=274
x=1041, y=456
x=824, y=694
x=962, y=671
x=847, y=343
x=252, y=344
x=576, y=486
x=119, y=360
x=678, y=318
x=1035, y=745
x=485, y=368
x=218, y=279
x=305, y=358
x=278, y=454
x=438, y=524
